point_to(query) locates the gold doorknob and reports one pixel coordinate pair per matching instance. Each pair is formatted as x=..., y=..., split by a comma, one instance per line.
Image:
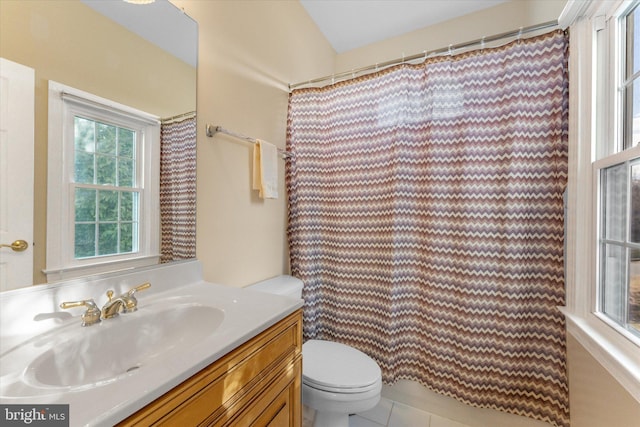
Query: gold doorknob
x=18, y=245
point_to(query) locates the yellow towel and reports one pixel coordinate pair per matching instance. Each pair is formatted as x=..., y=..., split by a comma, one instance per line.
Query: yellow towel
x=265, y=169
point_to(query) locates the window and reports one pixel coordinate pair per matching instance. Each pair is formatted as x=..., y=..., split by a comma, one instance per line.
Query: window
x=103, y=195
x=619, y=244
x=618, y=187
x=602, y=203
x=105, y=191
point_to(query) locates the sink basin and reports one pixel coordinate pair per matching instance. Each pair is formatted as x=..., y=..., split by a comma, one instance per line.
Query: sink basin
x=87, y=357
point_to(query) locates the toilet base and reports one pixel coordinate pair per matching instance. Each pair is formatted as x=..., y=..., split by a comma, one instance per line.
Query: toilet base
x=330, y=419
x=333, y=409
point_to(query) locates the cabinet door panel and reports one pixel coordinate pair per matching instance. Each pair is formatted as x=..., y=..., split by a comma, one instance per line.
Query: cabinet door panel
x=280, y=404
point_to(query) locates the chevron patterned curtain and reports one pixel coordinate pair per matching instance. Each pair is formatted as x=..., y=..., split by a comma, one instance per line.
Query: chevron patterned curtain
x=178, y=190
x=426, y=221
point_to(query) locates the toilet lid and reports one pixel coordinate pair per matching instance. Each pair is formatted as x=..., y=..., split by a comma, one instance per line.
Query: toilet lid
x=337, y=367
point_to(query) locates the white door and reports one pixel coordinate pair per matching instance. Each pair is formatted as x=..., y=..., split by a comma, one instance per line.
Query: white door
x=16, y=174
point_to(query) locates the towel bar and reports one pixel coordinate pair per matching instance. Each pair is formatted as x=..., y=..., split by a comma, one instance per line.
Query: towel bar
x=212, y=130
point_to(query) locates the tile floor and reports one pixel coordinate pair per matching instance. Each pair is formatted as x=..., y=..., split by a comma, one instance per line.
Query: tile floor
x=391, y=414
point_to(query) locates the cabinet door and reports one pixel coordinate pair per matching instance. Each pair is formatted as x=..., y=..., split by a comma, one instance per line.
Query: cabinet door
x=280, y=405
x=281, y=418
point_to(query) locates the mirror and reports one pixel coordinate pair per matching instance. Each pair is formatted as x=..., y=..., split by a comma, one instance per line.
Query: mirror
x=143, y=56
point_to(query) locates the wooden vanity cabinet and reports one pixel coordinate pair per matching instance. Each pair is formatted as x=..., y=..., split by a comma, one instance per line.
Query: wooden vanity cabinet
x=257, y=384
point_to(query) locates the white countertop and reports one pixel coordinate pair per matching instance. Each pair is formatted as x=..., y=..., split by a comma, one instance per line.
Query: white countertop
x=33, y=312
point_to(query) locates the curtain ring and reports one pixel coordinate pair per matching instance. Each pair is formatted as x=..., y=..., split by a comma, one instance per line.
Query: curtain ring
x=450, y=50
x=520, y=35
x=482, y=44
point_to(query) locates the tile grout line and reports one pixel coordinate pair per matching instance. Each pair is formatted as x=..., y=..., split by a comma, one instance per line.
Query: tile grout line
x=393, y=404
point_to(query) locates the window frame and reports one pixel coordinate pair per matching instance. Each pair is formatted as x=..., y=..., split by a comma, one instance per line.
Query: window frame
x=590, y=123
x=610, y=114
x=64, y=103
x=627, y=157
x=626, y=82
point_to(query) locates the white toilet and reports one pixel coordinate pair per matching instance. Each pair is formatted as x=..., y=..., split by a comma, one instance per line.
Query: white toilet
x=337, y=380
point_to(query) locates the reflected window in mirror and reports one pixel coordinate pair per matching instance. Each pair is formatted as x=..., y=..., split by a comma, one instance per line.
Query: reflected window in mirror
x=103, y=185
x=105, y=189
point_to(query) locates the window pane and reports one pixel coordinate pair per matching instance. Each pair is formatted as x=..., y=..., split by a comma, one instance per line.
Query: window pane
x=126, y=237
x=633, y=42
x=108, y=206
x=126, y=172
x=614, y=282
x=635, y=203
x=85, y=240
x=84, y=135
x=127, y=201
x=632, y=114
x=614, y=202
x=106, y=170
x=106, y=139
x=107, y=239
x=85, y=205
x=631, y=82
x=84, y=168
x=126, y=139
x=634, y=290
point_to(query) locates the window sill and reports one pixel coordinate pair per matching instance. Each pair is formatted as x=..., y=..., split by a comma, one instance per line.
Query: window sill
x=58, y=274
x=618, y=355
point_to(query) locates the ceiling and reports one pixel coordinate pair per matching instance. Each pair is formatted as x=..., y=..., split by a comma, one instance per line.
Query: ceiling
x=151, y=21
x=349, y=24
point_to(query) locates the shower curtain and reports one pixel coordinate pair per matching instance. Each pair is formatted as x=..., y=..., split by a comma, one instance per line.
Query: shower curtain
x=426, y=221
x=178, y=190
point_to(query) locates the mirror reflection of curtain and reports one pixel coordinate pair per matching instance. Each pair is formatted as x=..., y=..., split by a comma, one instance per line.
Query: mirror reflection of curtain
x=178, y=188
x=426, y=221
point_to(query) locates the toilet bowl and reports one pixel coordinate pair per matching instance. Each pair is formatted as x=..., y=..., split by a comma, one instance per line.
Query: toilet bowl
x=337, y=380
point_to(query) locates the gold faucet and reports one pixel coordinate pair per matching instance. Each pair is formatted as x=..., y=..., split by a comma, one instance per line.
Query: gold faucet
x=113, y=306
x=126, y=302
x=91, y=316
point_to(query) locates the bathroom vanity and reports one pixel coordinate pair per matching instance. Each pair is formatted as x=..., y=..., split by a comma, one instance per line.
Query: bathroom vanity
x=256, y=384
x=193, y=353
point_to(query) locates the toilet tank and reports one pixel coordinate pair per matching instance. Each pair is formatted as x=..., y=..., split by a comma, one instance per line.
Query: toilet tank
x=280, y=285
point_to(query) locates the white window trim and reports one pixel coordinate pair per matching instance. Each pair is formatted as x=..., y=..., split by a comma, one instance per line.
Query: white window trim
x=60, y=260
x=618, y=354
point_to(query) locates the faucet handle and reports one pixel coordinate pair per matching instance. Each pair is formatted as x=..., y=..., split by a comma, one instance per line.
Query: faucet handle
x=131, y=302
x=142, y=287
x=89, y=317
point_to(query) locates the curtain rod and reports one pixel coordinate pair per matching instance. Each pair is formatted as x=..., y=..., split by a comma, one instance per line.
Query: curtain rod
x=424, y=55
x=212, y=130
x=179, y=116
